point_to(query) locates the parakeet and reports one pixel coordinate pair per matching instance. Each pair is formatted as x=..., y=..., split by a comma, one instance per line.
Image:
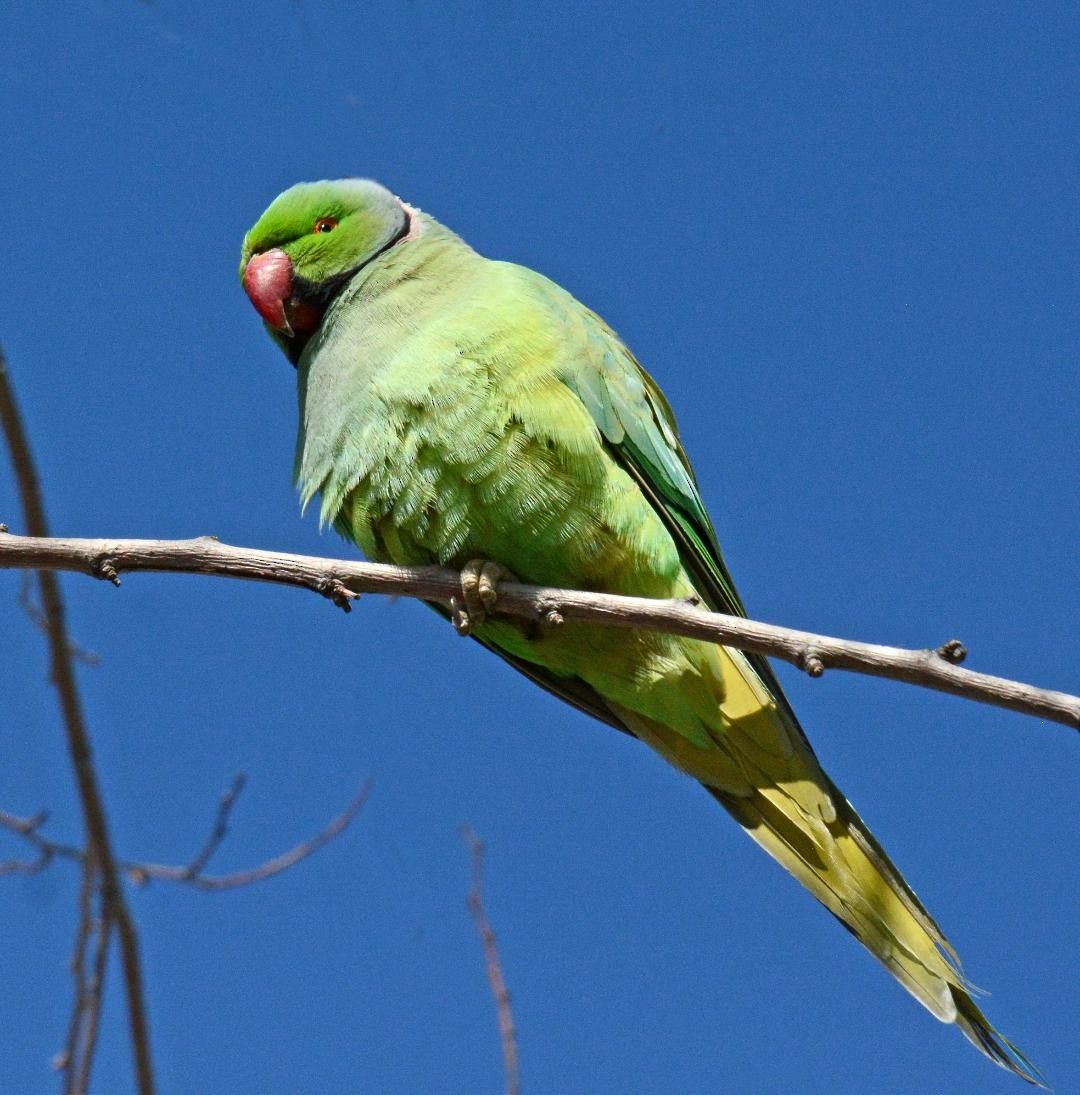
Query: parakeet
x=454, y=408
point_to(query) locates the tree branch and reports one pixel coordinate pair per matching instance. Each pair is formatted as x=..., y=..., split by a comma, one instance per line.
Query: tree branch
x=114, y=910
x=91, y=1006
x=27, y=828
x=189, y=874
x=192, y=873
x=342, y=581
x=507, y=1030
x=67, y=1060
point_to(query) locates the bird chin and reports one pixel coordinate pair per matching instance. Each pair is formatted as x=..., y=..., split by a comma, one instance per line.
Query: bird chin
x=301, y=318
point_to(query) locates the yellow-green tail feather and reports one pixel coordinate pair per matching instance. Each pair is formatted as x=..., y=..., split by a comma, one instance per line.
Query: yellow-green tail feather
x=763, y=771
x=904, y=938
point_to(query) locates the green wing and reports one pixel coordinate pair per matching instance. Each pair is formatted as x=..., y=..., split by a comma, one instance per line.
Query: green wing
x=639, y=429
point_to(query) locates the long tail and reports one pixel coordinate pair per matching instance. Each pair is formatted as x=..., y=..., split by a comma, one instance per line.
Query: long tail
x=855, y=880
x=761, y=768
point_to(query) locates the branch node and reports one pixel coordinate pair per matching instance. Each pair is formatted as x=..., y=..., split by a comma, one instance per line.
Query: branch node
x=811, y=662
x=104, y=567
x=694, y=601
x=334, y=589
x=550, y=614
x=3, y=527
x=954, y=651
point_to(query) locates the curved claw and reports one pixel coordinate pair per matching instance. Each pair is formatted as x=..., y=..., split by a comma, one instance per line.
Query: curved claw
x=479, y=595
x=459, y=617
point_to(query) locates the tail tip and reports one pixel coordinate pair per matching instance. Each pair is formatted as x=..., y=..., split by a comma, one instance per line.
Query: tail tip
x=995, y=1045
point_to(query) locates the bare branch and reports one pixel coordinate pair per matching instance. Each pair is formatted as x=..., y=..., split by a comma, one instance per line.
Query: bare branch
x=144, y=872
x=499, y=991
x=343, y=580
x=92, y=1005
x=189, y=874
x=27, y=828
x=114, y=907
x=221, y=826
x=37, y=617
x=67, y=1061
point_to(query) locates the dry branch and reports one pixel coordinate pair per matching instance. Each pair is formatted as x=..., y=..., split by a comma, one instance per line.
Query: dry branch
x=67, y=1060
x=507, y=1030
x=189, y=874
x=192, y=873
x=342, y=581
x=114, y=910
x=100, y=877
x=91, y=1006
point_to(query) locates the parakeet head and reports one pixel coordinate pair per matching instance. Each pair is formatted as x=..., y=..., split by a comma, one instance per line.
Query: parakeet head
x=308, y=244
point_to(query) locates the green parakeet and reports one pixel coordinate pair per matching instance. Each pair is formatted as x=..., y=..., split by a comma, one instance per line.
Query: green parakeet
x=455, y=408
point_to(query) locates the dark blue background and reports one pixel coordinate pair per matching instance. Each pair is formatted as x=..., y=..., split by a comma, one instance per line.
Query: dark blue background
x=845, y=241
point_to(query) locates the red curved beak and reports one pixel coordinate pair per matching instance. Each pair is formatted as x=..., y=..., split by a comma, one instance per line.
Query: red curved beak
x=268, y=282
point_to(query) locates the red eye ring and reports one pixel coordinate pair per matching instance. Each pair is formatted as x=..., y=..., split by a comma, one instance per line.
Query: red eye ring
x=324, y=224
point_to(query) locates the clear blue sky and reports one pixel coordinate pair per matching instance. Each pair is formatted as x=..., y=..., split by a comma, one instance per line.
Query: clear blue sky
x=846, y=244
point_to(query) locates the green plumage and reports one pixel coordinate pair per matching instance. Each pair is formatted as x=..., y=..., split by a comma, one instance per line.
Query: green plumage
x=453, y=407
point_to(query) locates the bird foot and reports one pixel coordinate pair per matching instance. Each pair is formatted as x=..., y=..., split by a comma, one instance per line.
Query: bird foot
x=478, y=594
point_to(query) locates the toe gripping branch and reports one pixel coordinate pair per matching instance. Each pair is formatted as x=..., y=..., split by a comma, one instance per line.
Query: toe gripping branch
x=479, y=578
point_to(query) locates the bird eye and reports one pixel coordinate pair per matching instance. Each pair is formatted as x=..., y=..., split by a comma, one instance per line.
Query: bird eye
x=325, y=224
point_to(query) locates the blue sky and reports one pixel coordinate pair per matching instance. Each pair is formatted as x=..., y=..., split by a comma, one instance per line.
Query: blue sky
x=845, y=243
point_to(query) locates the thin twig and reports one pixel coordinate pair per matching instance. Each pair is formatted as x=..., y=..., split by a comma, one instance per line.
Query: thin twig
x=507, y=1030
x=27, y=828
x=37, y=617
x=92, y=1006
x=221, y=826
x=114, y=906
x=67, y=1061
x=144, y=872
x=342, y=581
x=188, y=874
